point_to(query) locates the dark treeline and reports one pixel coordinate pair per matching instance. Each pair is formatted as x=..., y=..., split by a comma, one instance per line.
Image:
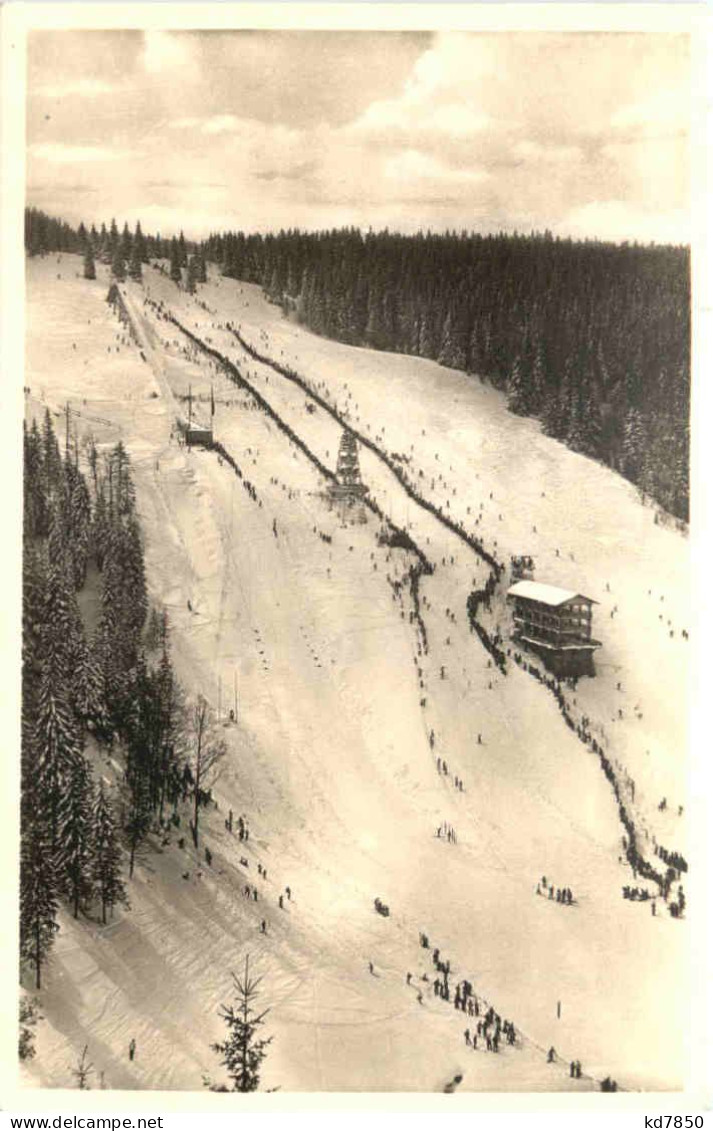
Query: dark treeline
x=126, y=252
x=84, y=690
x=591, y=338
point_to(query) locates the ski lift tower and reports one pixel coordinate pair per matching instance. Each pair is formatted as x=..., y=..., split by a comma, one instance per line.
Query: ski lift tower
x=347, y=494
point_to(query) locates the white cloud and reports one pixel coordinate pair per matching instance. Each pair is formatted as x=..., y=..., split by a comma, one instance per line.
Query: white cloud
x=411, y=165
x=85, y=88
x=533, y=151
x=222, y=123
x=184, y=123
x=666, y=111
x=619, y=220
x=166, y=52
x=59, y=154
x=442, y=95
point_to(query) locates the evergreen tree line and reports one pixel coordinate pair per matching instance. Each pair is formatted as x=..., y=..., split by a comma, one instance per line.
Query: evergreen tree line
x=80, y=690
x=125, y=252
x=593, y=339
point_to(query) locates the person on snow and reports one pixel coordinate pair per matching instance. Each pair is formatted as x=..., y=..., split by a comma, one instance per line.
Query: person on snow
x=132, y=1048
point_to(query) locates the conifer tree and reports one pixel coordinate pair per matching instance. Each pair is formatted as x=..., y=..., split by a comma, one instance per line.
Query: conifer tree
x=55, y=738
x=90, y=271
x=83, y=1071
x=88, y=692
x=106, y=855
x=171, y=725
x=453, y=346
x=38, y=896
x=175, y=268
x=109, y=648
x=34, y=512
x=140, y=244
x=243, y=1051
x=51, y=459
x=138, y=816
x=105, y=251
x=126, y=244
x=29, y=1016
x=135, y=269
x=191, y=275
x=100, y=529
x=516, y=391
x=75, y=835
x=118, y=267
x=112, y=239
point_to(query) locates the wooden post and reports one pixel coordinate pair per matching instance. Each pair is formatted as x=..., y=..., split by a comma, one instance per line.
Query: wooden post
x=559, y=1010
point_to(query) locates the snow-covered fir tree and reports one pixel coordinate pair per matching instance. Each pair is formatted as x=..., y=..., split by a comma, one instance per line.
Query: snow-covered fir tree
x=39, y=899
x=244, y=1050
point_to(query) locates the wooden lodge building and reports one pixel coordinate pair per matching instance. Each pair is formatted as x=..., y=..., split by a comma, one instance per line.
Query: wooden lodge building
x=556, y=624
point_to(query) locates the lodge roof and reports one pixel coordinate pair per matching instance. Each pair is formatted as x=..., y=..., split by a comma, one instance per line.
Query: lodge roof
x=546, y=594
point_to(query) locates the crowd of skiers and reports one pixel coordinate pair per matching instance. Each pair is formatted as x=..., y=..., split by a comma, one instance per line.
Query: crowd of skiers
x=673, y=859
x=242, y=826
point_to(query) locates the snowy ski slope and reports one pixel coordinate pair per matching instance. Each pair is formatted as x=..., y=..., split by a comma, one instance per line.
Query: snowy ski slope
x=331, y=759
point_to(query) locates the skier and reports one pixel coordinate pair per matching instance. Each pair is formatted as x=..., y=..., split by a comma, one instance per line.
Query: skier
x=371, y=967
x=280, y=903
x=467, y=1037
x=408, y=979
x=551, y=1055
x=132, y=1048
x=289, y=893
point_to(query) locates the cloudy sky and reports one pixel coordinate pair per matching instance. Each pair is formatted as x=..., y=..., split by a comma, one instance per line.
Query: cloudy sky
x=584, y=134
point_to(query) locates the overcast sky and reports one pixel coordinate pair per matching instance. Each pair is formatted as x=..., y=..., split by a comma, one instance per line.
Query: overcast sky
x=584, y=134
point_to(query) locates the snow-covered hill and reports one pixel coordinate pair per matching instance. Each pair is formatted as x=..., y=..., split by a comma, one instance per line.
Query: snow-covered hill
x=331, y=759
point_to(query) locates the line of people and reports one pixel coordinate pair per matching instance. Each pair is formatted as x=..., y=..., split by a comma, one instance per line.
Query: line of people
x=561, y=895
